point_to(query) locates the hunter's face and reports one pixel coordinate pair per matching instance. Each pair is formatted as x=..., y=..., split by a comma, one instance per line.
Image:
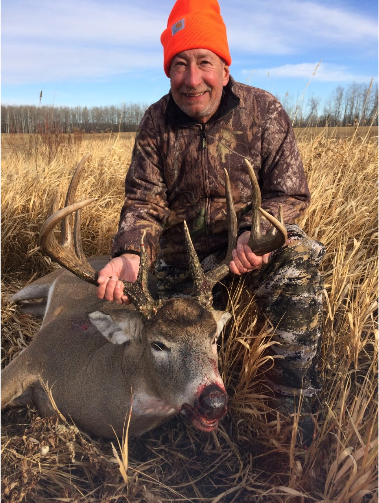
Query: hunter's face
x=197, y=78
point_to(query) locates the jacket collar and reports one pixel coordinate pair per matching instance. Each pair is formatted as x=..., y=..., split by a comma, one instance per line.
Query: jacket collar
x=177, y=118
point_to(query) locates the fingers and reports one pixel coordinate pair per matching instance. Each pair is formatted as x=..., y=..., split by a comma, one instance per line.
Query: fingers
x=109, y=287
x=103, y=281
x=234, y=269
x=112, y=289
x=244, y=260
x=118, y=293
x=238, y=266
x=105, y=273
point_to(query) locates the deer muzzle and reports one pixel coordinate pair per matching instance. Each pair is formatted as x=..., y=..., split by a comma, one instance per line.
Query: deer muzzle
x=210, y=407
x=212, y=403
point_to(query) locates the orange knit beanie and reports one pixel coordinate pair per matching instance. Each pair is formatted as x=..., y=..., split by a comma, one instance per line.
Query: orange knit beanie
x=194, y=24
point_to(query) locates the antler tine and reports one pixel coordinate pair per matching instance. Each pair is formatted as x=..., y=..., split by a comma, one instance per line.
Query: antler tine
x=219, y=272
x=204, y=282
x=138, y=292
x=202, y=288
x=65, y=255
x=66, y=225
x=77, y=236
x=232, y=220
x=277, y=235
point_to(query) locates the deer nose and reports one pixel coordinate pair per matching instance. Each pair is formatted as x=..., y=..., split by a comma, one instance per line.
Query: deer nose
x=212, y=402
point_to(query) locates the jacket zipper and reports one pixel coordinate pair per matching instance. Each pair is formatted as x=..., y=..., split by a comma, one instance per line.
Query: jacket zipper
x=203, y=138
x=203, y=135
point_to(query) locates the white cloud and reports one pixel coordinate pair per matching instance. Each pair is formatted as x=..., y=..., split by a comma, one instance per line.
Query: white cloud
x=52, y=41
x=325, y=72
x=279, y=27
x=46, y=41
x=85, y=22
x=68, y=63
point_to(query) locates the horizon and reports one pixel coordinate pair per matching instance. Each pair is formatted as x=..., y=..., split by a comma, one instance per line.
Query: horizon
x=99, y=53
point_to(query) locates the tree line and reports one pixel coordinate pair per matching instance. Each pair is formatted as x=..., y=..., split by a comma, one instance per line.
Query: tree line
x=44, y=119
x=356, y=104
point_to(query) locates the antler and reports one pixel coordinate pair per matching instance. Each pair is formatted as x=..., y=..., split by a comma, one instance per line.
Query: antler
x=138, y=292
x=69, y=252
x=274, y=237
x=204, y=283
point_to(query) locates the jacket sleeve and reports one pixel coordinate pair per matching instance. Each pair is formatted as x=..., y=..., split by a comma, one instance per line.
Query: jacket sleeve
x=145, y=207
x=281, y=175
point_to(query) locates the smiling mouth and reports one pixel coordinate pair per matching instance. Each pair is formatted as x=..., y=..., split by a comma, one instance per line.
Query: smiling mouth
x=192, y=95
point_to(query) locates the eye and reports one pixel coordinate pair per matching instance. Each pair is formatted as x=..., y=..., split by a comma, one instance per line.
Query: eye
x=216, y=339
x=159, y=346
x=179, y=64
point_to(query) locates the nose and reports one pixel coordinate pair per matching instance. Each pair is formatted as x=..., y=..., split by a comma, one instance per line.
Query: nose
x=193, y=76
x=212, y=402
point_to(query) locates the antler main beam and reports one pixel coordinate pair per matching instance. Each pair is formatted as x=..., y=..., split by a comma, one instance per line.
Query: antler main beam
x=65, y=254
x=69, y=252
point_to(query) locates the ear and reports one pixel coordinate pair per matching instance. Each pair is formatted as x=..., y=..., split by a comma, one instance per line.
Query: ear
x=221, y=318
x=226, y=75
x=119, y=327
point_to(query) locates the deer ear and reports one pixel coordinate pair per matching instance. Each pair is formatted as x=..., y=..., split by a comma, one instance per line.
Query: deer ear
x=117, y=329
x=221, y=318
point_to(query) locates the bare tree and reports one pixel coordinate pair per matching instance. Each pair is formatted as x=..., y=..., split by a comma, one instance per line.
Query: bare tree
x=358, y=101
x=312, y=105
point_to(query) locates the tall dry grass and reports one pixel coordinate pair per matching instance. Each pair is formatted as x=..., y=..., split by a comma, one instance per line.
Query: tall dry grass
x=30, y=186
x=252, y=457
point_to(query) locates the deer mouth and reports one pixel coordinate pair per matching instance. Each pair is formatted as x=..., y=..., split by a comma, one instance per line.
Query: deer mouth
x=208, y=409
x=197, y=420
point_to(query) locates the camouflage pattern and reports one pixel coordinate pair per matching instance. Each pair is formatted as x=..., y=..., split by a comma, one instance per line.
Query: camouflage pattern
x=177, y=173
x=288, y=293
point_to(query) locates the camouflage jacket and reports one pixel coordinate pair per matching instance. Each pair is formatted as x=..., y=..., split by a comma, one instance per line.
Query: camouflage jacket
x=176, y=173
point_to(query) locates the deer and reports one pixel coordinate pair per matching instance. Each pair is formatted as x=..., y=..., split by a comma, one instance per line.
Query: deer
x=100, y=363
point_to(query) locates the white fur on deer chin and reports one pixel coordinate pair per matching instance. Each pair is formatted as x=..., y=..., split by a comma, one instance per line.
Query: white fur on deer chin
x=145, y=404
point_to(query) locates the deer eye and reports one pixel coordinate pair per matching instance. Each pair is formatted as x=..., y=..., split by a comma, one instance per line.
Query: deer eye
x=215, y=338
x=159, y=346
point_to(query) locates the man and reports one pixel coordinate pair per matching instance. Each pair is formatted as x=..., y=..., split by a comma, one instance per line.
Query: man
x=206, y=123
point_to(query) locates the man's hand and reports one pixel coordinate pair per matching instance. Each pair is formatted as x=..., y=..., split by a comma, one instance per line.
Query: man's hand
x=244, y=260
x=124, y=268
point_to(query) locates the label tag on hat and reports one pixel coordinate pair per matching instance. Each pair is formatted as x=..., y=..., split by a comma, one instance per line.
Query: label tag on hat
x=177, y=27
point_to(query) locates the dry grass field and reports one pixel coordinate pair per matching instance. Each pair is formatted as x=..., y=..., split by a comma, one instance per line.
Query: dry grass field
x=361, y=132
x=251, y=457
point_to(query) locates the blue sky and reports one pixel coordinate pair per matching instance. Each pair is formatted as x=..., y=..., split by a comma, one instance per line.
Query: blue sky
x=106, y=52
